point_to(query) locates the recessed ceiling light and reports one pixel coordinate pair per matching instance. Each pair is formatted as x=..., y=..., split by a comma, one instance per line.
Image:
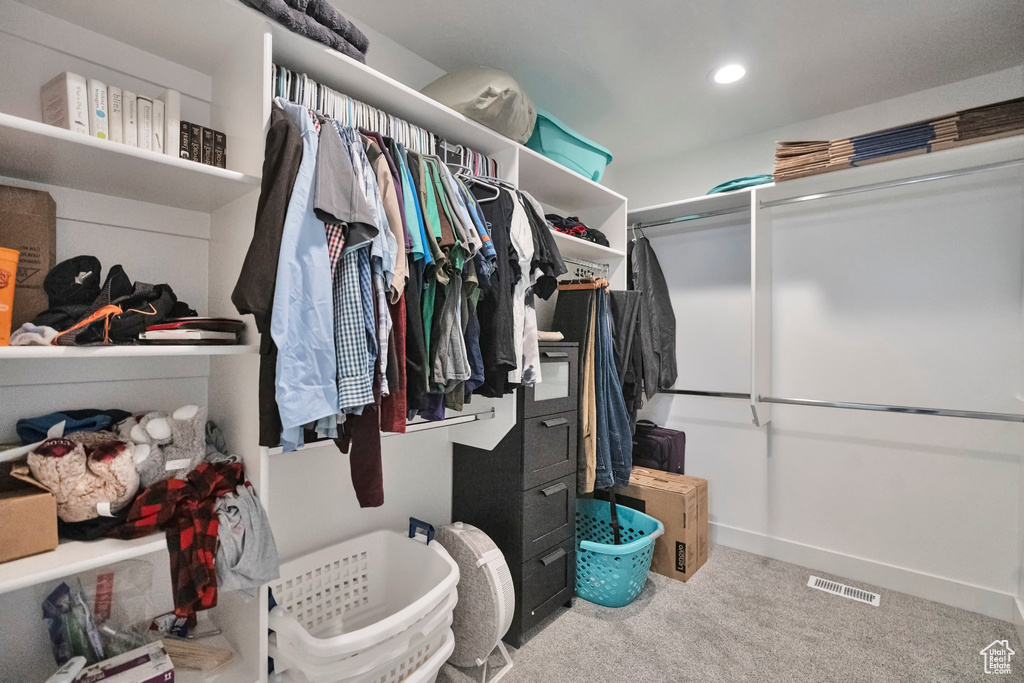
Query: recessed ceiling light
x=729, y=73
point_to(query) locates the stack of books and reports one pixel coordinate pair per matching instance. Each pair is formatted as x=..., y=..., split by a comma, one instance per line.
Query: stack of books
x=194, y=331
x=804, y=158
x=89, y=106
x=94, y=108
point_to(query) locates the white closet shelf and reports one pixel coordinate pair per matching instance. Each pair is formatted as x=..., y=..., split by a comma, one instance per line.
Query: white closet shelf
x=360, y=82
x=557, y=186
x=577, y=247
x=713, y=204
x=47, y=154
x=56, y=352
x=72, y=557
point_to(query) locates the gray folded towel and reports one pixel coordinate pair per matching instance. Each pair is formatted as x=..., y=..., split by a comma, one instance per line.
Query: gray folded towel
x=305, y=25
x=323, y=13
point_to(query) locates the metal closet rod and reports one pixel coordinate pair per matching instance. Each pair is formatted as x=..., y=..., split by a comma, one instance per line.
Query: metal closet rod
x=691, y=217
x=876, y=407
x=893, y=183
x=447, y=422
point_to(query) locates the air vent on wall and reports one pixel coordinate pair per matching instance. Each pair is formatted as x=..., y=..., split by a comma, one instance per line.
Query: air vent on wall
x=845, y=591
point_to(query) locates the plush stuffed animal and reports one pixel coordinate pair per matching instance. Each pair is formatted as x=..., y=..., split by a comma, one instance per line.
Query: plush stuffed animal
x=89, y=473
x=167, y=446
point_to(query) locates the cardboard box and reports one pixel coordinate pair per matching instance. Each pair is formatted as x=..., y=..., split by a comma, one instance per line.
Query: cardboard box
x=680, y=502
x=28, y=515
x=146, y=664
x=28, y=224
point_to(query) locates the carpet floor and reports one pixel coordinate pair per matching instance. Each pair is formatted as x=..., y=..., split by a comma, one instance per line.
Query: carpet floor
x=743, y=617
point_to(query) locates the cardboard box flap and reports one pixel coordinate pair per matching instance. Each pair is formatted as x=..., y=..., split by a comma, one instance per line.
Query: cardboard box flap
x=663, y=481
x=20, y=472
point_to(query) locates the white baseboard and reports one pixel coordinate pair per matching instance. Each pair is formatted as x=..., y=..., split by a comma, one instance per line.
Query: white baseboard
x=1018, y=618
x=966, y=596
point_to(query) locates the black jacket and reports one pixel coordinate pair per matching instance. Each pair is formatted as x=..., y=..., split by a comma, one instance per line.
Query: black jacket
x=657, y=321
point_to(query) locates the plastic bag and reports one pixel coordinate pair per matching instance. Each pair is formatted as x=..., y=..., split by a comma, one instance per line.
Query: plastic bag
x=489, y=97
x=101, y=613
x=70, y=624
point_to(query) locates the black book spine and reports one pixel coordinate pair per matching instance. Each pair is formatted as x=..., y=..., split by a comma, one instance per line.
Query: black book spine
x=219, y=149
x=208, y=146
x=195, y=142
x=184, y=147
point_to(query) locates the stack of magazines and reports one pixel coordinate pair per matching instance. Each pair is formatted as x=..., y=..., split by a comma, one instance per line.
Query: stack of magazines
x=194, y=331
x=993, y=121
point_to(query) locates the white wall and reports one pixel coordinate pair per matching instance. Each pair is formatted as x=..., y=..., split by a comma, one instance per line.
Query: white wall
x=388, y=57
x=689, y=173
x=910, y=298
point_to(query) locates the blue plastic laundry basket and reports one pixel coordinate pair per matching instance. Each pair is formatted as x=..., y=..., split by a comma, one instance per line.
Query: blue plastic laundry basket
x=608, y=574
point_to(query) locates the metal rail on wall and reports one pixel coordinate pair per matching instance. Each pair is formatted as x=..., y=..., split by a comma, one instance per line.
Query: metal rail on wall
x=849, y=405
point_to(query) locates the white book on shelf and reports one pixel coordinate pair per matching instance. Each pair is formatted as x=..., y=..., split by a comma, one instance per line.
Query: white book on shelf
x=130, y=118
x=65, y=102
x=172, y=120
x=187, y=335
x=158, y=126
x=145, y=125
x=98, y=127
x=115, y=114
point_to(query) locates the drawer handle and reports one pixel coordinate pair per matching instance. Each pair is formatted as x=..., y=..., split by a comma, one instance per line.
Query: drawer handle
x=552, y=490
x=560, y=553
x=555, y=354
x=555, y=422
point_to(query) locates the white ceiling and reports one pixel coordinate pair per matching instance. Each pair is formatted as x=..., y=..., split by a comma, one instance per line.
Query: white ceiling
x=632, y=75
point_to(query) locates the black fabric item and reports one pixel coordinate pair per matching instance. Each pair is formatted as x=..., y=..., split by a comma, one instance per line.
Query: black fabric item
x=66, y=304
x=73, y=281
x=183, y=310
x=303, y=24
x=657, y=320
x=572, y=315
x=91, y=529
x=147, y=305
x=254, y=290
x=625, y=314
x=495, y=306
x=415, y=341
x=631, y=389
x=322, y=13
x=546, y=257
x=596, y=236
x=117, y=287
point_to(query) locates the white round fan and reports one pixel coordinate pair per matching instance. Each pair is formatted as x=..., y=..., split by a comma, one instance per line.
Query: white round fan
x=486, y=597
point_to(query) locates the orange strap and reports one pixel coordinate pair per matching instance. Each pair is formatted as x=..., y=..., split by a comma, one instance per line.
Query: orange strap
x=104, y=312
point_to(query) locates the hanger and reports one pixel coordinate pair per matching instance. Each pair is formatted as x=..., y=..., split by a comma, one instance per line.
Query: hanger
x=584, y=284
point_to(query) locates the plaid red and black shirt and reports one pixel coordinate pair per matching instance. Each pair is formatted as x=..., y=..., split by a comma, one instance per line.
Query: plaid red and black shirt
x=185, y=510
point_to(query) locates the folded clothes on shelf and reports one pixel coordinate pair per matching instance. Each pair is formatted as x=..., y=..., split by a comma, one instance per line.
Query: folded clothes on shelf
x=574, y=227
x=317, y=20
x=84, y=312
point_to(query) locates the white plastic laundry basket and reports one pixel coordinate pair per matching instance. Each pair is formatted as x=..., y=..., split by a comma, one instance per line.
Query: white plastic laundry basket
x=357, y=609
x=421, y=666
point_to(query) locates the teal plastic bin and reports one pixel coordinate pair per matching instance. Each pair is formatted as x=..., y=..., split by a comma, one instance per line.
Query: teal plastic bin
x=563, y=145
x=608, y=574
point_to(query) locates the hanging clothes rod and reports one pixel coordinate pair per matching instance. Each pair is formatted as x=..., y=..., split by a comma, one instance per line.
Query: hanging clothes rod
x=883, y=408
x=410, y=427
x=893, y=183
x=447, y=422
x=712, y=394
x=593, y=268
x=691, y=217
x=876, y=407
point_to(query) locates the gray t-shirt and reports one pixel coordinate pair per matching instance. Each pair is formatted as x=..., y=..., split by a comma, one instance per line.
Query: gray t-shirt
x=337, y=195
